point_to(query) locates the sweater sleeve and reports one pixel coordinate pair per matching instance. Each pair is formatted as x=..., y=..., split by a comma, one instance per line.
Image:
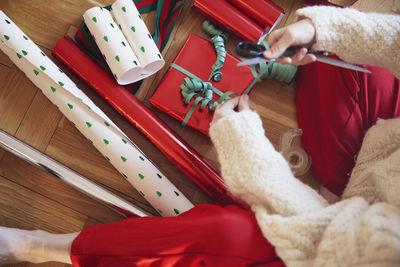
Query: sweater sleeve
x=255, y=172
x=357, y=37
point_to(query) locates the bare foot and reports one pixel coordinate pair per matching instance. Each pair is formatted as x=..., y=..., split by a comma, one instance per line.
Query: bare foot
x=15, y=245
x=36, y=246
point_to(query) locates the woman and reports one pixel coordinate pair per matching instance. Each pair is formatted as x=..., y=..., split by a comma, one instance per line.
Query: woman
x=360, y=229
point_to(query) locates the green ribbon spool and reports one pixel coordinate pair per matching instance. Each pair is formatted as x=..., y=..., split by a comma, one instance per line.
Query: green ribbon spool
x=272, y=70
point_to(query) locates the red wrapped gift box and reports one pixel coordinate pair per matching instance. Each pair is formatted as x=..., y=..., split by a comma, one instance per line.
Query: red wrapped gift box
x=197, y=56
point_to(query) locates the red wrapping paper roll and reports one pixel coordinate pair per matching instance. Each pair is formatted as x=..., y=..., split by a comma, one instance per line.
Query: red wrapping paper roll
x=230, y=18
x=264, y=12
x=170, y=144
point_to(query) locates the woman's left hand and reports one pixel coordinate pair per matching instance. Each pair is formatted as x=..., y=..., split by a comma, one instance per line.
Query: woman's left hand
x=227, y=108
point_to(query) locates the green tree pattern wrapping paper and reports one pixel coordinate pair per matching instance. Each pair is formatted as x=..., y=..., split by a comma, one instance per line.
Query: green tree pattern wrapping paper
x=91, y=121
x=124, y=41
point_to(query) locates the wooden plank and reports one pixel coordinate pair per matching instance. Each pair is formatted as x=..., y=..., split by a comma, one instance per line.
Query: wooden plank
x=5, y=60
x=289, y=6
x=34, y=16
x=39, y=123
x=91, y=221
x=22, y=208
x=41, y=182
x=4, y=72
x=383, y=6
x=16, y=95
x=2, y=152
x=395, y=7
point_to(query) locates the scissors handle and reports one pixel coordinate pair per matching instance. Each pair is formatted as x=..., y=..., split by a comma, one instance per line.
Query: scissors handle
x=249, y=50
x=289, y=52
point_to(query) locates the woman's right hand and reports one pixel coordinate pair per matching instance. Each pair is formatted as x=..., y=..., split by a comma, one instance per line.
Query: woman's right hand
x=301, y=33
x=241, y=102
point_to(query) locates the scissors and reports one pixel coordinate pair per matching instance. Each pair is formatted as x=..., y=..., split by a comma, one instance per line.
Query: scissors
x=254, y=53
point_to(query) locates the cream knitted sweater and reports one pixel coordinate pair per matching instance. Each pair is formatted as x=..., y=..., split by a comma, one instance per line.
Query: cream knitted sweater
x=363, y=229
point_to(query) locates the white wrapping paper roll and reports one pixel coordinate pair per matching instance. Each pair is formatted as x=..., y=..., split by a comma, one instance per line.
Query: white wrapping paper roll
x=91, y=121
x=124, y=41
x=115, y=49
x=139, y=37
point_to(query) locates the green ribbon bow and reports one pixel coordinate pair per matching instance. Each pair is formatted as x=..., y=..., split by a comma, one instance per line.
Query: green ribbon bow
x=201, y=91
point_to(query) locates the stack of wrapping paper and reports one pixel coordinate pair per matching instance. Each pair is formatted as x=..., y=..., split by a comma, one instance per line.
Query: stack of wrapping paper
x=91, y=121
x=167, y=13
x=124, y=41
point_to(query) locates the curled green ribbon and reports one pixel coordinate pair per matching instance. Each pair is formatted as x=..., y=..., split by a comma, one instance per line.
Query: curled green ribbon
x=218, y=38
x=219, y=46
x=211, y=30
x=201, y=91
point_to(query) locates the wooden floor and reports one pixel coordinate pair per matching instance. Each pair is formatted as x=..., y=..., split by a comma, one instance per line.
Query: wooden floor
x=31, y=198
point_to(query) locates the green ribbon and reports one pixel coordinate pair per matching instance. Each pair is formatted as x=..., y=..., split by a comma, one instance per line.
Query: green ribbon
x=273, y=70
x=201, y=91
x=218, y=38
x=219, y=46
x=211, y=30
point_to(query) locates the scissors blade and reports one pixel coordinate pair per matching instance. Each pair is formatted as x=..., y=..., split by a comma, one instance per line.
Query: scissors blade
x=251, y=61
x=339, y=63
x=266, y=32
x=327, y=60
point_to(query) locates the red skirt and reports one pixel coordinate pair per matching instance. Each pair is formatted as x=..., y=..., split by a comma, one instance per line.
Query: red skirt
x=335, y=107
x=207, y=235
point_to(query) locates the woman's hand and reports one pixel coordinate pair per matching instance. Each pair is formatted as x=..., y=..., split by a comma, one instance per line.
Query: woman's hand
x=301, y=33
x=227, y=108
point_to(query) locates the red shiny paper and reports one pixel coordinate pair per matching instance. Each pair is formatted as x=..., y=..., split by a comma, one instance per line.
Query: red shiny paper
x=192, y=164
x=230, y=18
x=197, y=56
x=264, y=12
